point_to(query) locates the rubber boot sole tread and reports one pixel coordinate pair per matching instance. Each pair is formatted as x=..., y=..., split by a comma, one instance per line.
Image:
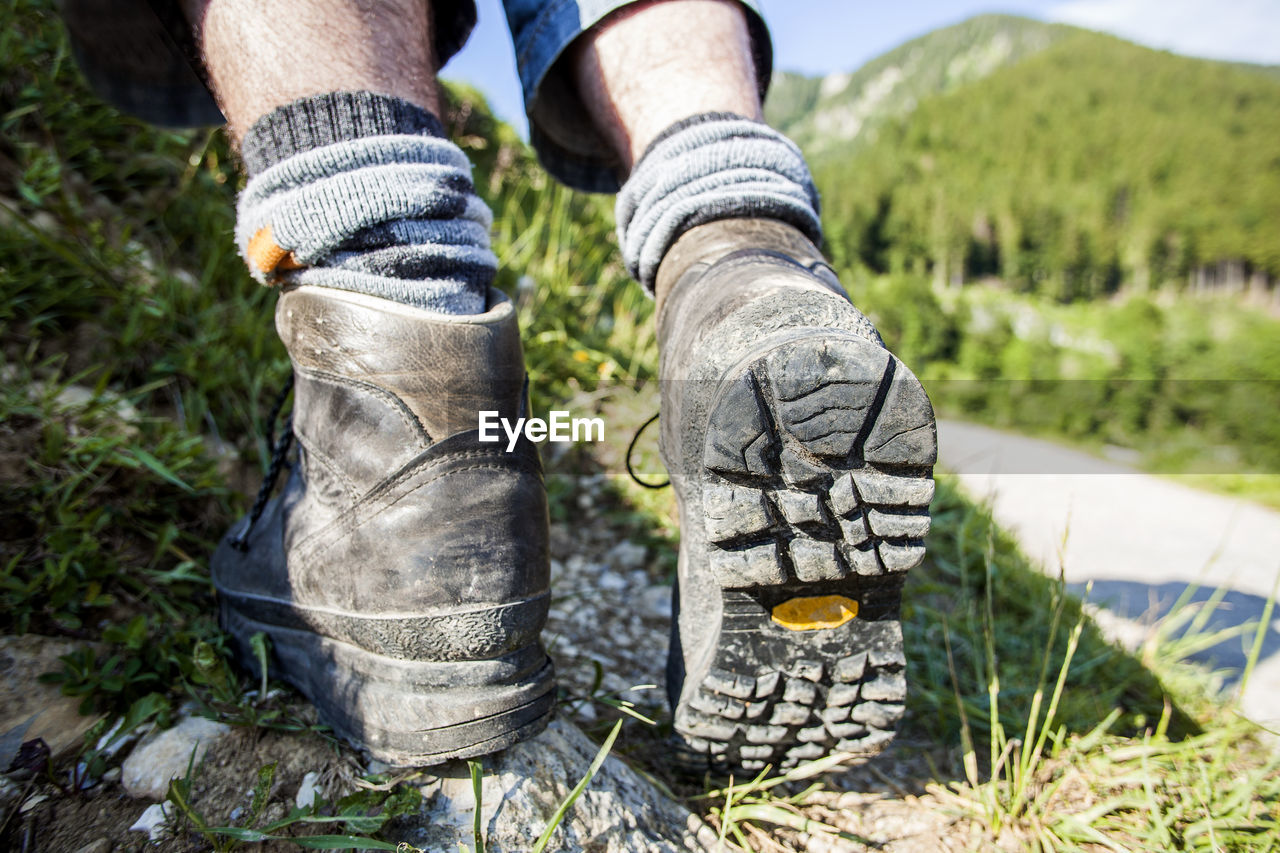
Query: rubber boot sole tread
x=816, y=482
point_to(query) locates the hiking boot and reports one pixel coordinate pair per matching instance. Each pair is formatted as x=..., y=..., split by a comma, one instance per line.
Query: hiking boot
x=801, y=452
x=402, y=574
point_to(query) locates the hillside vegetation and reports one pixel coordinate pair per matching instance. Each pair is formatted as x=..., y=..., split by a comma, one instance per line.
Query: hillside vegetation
x=1092, y=165
x=844, y=110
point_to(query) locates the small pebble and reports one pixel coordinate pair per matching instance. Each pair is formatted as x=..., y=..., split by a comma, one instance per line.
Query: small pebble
x=167, y=755
x=655, y=601
x=307, y=790
x=152, y=821
x=627, y=555
x=610, y=581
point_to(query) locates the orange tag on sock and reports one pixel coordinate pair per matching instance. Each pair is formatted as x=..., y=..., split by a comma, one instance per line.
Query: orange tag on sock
x=267, y=255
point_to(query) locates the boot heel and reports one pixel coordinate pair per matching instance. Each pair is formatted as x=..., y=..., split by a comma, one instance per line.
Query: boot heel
x=403, y=712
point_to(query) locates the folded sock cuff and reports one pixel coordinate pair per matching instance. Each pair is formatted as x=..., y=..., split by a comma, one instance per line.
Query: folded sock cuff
x=708, y=167
x=320, y=120
x=359, y=194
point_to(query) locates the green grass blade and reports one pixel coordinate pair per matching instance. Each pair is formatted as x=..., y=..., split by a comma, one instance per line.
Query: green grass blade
x=601, y=755
x=477, y=819
x=340, y=842
x=1264, y=625
x=159, y=469
x=239, y=833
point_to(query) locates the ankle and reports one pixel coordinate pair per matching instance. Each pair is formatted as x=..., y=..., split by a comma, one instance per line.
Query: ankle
x=707, y=168
x=705, y=244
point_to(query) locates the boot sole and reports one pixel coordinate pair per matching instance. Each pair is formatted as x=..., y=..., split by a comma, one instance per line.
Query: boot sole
x=405, y=713
x=815, y=485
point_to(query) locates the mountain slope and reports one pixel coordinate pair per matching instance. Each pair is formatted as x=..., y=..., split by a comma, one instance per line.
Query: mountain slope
x=1090, y=164
x=822, y=113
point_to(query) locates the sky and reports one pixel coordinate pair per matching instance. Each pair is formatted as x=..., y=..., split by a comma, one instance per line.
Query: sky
x=824, y=36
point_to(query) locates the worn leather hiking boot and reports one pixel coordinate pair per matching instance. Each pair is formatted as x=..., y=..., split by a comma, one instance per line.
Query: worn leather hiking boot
x=402, y=575
x=801, y=452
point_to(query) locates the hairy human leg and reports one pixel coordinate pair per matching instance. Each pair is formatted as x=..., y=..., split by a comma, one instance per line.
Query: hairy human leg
x=636, y=80
x=259, y=59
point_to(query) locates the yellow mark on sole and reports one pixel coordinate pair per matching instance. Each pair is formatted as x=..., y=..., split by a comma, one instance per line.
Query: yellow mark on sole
x=816, y=612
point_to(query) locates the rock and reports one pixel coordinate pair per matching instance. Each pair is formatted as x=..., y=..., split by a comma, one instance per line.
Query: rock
x=655, y=601
x=31, y=802
x=152, y=821
x=378, y=768
x=307, y=790
x=619, y=812
x=610, y=580
x=165, y=755
x=41, y=708
x=627, y=555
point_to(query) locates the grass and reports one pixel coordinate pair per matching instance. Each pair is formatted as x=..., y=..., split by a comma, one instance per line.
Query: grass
x=139, y=366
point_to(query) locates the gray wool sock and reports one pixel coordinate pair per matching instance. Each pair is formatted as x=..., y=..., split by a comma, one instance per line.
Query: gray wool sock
x=362, y=192
x=708, y=167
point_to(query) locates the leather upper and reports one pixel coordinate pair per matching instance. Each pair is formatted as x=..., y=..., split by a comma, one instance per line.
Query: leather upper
x=395, y=508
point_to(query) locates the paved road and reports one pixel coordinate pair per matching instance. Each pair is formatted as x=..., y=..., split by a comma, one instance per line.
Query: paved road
x=1141, y=539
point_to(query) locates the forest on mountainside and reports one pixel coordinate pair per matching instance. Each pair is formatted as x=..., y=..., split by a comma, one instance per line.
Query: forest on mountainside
x=834, y=112
x=1092, y=165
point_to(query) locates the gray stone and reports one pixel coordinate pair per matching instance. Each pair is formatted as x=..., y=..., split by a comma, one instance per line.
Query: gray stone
x=524, y=785
x=30, y=709
x=153, y=821
x=626, y=555
x=655, y=601
x=800, y=691
x=307, y=790
x=851, y=668
x=732, y=684
x=913, y=524
x=789, y=714
x=165, y=755
x=609, y=580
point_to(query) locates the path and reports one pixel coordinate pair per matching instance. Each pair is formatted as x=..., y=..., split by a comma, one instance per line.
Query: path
x=1141, y=539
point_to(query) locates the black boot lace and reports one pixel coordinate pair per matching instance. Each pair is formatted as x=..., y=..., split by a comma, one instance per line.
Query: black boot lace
x=280, y=447
x=632, y=446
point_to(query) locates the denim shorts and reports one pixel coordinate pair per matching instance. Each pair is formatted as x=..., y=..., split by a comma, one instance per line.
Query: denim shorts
x=139, y=56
